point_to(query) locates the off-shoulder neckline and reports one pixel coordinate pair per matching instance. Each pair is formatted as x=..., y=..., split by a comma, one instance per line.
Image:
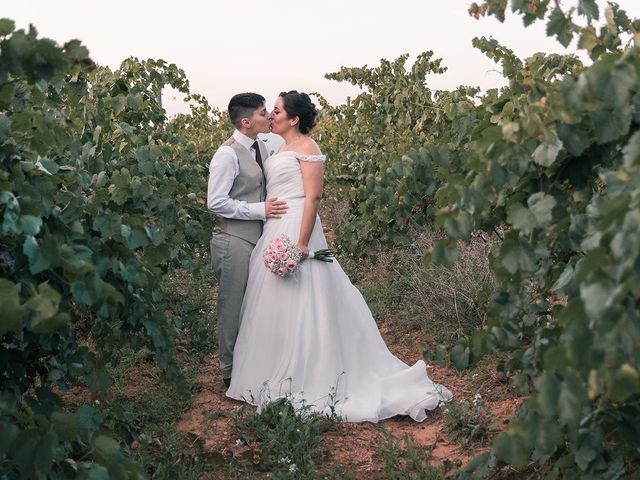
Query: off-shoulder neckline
x=302, y=154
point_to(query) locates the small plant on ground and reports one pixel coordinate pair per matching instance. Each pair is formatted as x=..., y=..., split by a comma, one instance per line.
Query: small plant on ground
x=287, y=444
x=191, y=307
x=339, y=473
x=142, y=411
x=469, y=422
x=402, y=459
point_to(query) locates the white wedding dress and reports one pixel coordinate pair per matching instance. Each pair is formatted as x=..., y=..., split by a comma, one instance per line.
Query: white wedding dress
x=310, y=337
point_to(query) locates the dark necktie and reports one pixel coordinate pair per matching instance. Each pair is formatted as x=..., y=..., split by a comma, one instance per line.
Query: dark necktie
x=258, y=156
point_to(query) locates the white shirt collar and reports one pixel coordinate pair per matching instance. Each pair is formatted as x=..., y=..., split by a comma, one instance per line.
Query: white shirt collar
x=243, y=140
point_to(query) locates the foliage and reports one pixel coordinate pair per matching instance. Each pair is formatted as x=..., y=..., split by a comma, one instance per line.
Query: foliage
x=554, y=167
x=101, y=195
x=367, y=140
x=565, y=24
x=194, y=137
x=549, y=164
x=94, y=209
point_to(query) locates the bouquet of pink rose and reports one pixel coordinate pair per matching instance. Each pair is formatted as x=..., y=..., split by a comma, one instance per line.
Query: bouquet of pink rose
x=283, y=258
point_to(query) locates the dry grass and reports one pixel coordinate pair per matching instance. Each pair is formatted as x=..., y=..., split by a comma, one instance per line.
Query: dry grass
x=403, y=291
x=445, y=303
x=450, y=300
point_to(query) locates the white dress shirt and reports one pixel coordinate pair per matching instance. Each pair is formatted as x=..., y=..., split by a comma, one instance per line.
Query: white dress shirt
x=223, y=170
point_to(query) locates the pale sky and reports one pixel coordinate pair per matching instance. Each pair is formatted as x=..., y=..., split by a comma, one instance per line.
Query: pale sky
x=269, y=46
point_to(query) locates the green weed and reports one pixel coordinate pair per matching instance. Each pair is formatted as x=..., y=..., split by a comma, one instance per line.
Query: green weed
x=142, y=411
x=402, y=459
x=286, y=443
x=190, y=306
x=469, y=422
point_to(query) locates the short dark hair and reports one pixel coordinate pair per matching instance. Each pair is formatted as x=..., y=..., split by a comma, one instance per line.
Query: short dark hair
x=300, y=105
x=243, y=105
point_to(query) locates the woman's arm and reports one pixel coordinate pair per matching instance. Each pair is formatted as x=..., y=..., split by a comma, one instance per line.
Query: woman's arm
x=312, y=181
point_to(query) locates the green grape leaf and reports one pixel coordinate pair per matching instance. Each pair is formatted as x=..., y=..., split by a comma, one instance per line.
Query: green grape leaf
x=560, y=26
x=588, y=447
x=572, y=396
x=521, y=218
x=632, y=151
x=564, y=279
x=98, y=472
x=443, y=253
x=511, y=448
x=589, y=8
x=49, y=325
x=516, y=255
x=623, y=383
x=76, y=51
x=8, y=432
x=546, y=153
x=106, y=448
x=460, y=356
x=66, y=425
x=82, y=294
x=43, y=305
x=548, y=388
x=37, y=259
x=541, y=206
x=98, y=380
x=575, y=138
x=5, y=127
x=109, y=225
x=588, y=40
x=10, y=310
x=597, y=297
x=7, y=26
x=30, y=225
x=137, y=238
x=44, y=453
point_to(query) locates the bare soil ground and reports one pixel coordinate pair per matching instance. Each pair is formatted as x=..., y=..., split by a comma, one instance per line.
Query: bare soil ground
x=209, y=425
x=353, y=446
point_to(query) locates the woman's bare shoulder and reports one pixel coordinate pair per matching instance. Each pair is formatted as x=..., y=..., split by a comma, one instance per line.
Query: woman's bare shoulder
x=308, y=146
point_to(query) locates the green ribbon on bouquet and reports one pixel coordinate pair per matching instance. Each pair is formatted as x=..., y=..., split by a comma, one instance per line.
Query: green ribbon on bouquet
x=324, y=255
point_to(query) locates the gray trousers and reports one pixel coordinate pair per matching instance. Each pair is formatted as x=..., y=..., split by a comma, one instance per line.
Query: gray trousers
x=230, y=263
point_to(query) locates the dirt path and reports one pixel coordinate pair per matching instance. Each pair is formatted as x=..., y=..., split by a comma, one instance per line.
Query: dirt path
x=353, y=446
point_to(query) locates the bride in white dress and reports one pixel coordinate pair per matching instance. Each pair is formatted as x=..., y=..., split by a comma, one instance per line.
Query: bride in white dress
x=310, y=337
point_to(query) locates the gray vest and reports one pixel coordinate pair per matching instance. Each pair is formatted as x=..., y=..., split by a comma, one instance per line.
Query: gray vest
x=248, y=186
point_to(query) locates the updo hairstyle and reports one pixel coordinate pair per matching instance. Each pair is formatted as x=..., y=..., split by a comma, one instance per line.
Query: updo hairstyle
x=300, y=105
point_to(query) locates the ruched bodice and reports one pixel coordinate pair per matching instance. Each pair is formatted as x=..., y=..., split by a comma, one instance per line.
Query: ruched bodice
x=282, y=171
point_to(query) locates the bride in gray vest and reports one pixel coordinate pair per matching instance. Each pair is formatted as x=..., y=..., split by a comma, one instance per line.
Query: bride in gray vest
x=236, y=194
x=310, y=337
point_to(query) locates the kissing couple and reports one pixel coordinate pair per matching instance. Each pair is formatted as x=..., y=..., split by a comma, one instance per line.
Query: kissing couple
x=308, y=337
